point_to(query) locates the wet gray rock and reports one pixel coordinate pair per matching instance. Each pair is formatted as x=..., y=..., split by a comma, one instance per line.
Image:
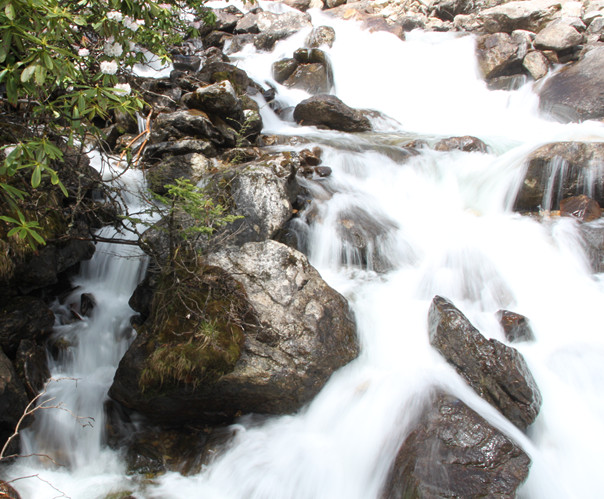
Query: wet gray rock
x=516, y=327
x=283, y=69
x=497, y=372
x=179, y=148
x=313, y=78
x=321, y=35
x=330, y=112
x=576, y=92
x=454, y=452
x=466, y=143
x=563, y=169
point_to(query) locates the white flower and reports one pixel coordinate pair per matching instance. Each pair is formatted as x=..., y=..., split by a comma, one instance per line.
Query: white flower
x=113, y=49
x=83, y=52
x=114, y=15
x=123, y=88
x=165, y=6
x=133, y=24
x=109, y=67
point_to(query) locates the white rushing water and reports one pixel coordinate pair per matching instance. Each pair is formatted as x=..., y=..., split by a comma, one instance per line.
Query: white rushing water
x=446, y=230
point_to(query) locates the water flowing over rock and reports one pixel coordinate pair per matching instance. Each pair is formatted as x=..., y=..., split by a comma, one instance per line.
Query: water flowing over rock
x=560, y=170
x=516, y=327
x=576, y=92
x=498, y=373
x=466, y=144
x=454, y=452
x=321, y=35
x=330, y=112
x=302, y=331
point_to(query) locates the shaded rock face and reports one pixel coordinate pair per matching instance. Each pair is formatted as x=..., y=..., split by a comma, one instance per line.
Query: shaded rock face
x=582, y=208
x=330, y=112
x=576, y=92
x=302, y=332
x=454, y=452
x=560, y=170
x=13, y=398
x=498, y=373
x=23, y=318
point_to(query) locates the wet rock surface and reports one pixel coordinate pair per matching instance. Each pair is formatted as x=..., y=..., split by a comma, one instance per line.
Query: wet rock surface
x=498, y=373
x=453, y=452
x=330, y=112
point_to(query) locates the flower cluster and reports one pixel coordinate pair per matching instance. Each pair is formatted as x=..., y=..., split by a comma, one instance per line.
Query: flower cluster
x=123, y=88
x=109, y=67
x=132, y=24
x=113, y=49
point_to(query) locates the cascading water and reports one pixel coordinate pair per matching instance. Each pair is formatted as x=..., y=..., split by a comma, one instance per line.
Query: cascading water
x=435, y=223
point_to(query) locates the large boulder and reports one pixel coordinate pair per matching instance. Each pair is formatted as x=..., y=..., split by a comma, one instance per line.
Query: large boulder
x=454, y=452
x=498, y=55
x=531, y=15
x=560, y=170
x=330, y=112
x=288, y=331
x=576, y=92
x=497, y=372
x=558, y=36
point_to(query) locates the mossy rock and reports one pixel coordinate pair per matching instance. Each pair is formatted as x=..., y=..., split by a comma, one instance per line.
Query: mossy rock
x=195, y=329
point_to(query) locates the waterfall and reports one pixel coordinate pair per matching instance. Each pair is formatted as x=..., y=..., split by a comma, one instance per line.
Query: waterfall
x=436, y=223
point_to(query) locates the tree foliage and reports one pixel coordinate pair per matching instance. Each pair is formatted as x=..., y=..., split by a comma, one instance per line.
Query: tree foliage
x=64, y=69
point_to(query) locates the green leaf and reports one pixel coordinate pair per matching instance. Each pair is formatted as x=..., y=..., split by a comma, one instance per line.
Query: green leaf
x=36, y=176
x=47, y=60
x=15, y=230
x=28, y=72
x=40, y=74
x=9, y=10
x=37, y=237
x=9, y=219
